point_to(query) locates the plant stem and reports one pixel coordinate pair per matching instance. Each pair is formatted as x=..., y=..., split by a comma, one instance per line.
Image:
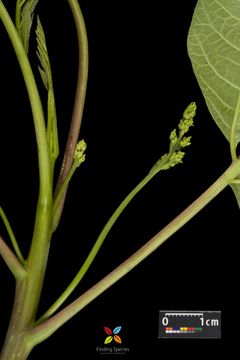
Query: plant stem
x=35, y=101
x=160, y=165
x=78, y=105
x=12, y=236
x=28, y=290
x=12, y=261
x=96, y=247
x=48, y=327
x=62, y=189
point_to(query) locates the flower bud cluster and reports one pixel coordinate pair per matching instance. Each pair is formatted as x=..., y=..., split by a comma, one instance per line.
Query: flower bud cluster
x=177, y=141
x=79, y=154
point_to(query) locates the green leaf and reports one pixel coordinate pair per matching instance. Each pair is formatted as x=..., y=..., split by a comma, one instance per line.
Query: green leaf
x=46, y=75
x=214, y=50
x=42, y=53
x=24, y=18
x=18, y=15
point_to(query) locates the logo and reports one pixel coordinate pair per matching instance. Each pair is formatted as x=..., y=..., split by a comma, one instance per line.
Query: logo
x=112, y=335
x=112, y=342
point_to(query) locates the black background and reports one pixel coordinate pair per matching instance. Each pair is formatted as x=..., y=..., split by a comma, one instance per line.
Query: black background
x=140, y=81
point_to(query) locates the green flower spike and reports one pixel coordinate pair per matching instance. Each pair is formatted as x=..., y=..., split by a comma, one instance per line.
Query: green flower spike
x=187, y=119
x=177, y=142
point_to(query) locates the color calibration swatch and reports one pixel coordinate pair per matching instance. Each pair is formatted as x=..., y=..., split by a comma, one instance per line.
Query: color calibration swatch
x=183, y=330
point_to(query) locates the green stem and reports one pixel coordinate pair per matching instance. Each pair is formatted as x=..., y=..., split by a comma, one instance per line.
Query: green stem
x=62, y=189
x=35, y=101
x=18, y=15
x=12, y=237
x=48, y=327
x=105, y=231
x=78, y=105
x=12, y=261
x=28, y=290
x=95, y=249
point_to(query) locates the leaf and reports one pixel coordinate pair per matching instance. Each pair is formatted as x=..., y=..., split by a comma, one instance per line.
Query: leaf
x=108, y=339
x=46, y=75
x=18, y=14
x=24, y=19
x=107, y=330
x=117, y=339
x=42, y=53
x=117, y=330
x=214, y=50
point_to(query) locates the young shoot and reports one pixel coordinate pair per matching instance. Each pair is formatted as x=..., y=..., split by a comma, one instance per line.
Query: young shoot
x=219, y=80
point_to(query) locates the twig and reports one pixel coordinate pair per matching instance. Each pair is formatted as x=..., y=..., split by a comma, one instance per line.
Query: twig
x=78, y=105
x=48, y=327
x=12, y=261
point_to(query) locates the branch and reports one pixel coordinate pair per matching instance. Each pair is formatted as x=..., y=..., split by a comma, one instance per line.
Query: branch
x=12, y=261
x=178, y=141
x=78, y=105
x=12, y=236
x=35, y=101
x=48, y=327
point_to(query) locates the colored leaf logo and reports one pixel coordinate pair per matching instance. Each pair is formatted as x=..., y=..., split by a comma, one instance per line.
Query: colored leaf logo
x=112, y=334
x=108, y=330
x=108, y=339
x=117, y=339
x=117, y=330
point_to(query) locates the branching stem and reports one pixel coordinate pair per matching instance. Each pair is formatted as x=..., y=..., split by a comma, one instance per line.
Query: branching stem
x=95, y=249
x=28, y=290
x=12, y=261
x=12, y=236
x=48, y=327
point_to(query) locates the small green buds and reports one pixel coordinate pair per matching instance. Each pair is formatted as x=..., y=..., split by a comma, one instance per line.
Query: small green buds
x=186, y=141
x=78, y=158
x=187, y=119
x=173, y=138
x=174, y=159
x=79, y=153
x=177, y=141
x=190, y=111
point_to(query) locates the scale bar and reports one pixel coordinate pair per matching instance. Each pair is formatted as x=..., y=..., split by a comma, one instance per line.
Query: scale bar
x=183, y=314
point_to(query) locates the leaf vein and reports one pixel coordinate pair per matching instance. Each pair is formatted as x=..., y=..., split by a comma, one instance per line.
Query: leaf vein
x=212, y=67
x=227, y=11
x=218, y=32
x=220, y=100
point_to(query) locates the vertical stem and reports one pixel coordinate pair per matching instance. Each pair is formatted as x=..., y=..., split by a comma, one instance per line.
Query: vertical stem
x=28, y=290
x=78, y=105
x=35, y=101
